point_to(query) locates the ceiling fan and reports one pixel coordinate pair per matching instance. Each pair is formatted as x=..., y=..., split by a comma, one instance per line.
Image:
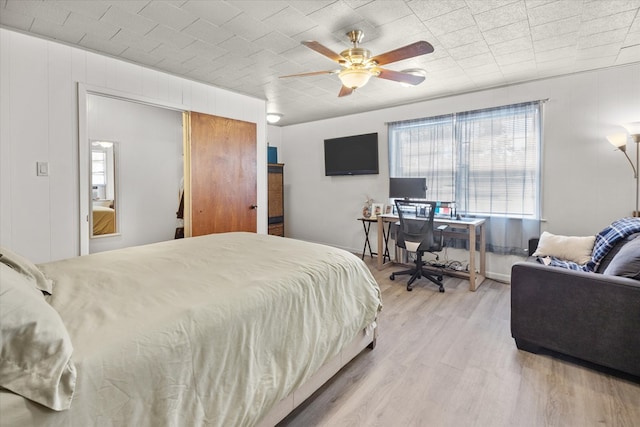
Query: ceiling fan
x=358, y=66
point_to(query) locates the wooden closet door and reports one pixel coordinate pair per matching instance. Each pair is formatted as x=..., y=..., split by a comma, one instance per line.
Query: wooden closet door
x=223, y=184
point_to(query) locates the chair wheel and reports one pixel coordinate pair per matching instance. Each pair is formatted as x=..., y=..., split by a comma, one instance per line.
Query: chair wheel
x=440, y=278
x=392, y=277
x=409, y=288
x=441, y=289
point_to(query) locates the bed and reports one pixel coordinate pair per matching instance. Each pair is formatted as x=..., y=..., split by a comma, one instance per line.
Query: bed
x=232, y=329
x=104, y=220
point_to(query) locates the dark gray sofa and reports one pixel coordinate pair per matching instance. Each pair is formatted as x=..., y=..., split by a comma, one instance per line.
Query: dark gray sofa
x=590, y=316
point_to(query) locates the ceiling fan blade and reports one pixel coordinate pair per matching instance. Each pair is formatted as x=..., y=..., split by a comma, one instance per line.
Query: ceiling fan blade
x=409, y=51
x=398, y=76
x=344, y=91
x=312, y=73
x=323, y=50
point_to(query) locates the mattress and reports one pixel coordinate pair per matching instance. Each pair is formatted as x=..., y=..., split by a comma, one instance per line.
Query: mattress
x=212, y=330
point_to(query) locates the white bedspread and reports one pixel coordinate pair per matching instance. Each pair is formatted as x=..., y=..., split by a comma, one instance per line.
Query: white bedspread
x=207, y=331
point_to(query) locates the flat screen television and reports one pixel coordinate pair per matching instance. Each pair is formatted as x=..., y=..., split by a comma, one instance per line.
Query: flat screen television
x=351, y=155
x=407, y=188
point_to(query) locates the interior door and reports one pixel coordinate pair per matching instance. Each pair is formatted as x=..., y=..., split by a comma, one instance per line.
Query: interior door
x=222, y=184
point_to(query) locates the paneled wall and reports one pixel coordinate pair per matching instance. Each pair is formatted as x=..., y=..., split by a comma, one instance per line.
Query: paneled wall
x=39, y=216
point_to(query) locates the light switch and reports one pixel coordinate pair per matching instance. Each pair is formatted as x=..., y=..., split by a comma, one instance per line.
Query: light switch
x=43, y=168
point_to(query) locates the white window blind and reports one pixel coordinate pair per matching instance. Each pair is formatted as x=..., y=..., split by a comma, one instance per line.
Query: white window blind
x=498, y=152
x=486, y=161
x=425, y=148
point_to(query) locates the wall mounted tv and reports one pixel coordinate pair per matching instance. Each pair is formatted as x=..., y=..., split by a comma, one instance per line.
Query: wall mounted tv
x=351, y=155
x=407, y=188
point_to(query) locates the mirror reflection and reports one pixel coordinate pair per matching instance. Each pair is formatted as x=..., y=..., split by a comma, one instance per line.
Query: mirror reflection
x=103, y=188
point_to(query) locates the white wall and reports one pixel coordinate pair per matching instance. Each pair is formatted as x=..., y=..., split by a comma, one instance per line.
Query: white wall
x=274, y=137
x=149, y=168
x=39, y=216
x=586, y=184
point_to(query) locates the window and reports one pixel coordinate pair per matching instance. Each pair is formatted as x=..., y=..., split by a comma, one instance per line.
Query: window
x=425, y=148
x=103, y=171
x=487, y=161
x=98, y=167
x=498, y=168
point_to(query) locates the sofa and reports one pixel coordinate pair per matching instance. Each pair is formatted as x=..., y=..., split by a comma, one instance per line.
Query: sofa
x=593, y=316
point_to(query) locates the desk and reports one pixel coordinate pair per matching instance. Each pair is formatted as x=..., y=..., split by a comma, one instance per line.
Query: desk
x=472, y=226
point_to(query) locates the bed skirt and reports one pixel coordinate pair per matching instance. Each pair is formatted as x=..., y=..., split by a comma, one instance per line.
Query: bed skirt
x=287, y=405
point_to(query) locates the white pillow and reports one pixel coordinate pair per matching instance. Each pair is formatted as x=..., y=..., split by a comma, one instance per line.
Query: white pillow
x=35, y=347
x=27, y=268
x=567, y=248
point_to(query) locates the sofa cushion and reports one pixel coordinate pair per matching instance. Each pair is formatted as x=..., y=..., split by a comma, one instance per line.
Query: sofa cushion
x=626, y=263
x=568, y=248
x=614, y=251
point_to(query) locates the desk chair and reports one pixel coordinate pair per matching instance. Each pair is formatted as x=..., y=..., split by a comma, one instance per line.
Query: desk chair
x=416, y=234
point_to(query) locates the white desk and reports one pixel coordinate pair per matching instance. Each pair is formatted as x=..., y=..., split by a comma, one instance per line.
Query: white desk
x=473, y=227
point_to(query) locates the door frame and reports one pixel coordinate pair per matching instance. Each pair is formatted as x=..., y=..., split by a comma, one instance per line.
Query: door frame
x=84, y=189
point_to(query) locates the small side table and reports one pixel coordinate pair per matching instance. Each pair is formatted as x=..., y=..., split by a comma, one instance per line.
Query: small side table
x=366, y=224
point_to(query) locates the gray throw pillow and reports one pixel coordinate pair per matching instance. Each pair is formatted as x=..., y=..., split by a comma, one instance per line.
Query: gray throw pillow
x=626, y=263
x=604, y=263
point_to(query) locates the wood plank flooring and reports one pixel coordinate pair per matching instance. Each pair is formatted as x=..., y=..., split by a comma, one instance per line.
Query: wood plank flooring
x=448, y=359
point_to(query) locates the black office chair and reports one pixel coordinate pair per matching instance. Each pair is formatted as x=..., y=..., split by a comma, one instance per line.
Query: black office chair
x=416, y=234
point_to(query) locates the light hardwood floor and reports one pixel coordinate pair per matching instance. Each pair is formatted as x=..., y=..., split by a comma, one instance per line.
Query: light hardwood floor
x=448, y=359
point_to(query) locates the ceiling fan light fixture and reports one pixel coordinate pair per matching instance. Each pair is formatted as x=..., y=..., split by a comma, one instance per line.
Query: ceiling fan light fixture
x=354, y=78
x=273, y=118
x=356, y=55
x=358, y=66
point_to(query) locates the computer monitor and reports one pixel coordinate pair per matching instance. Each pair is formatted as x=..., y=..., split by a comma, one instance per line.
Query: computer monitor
x=407, y=188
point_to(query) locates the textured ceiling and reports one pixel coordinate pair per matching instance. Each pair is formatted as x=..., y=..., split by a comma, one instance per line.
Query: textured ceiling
x=245, y=46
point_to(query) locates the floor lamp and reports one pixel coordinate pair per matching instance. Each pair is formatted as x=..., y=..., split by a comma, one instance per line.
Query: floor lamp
x=619, y=141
